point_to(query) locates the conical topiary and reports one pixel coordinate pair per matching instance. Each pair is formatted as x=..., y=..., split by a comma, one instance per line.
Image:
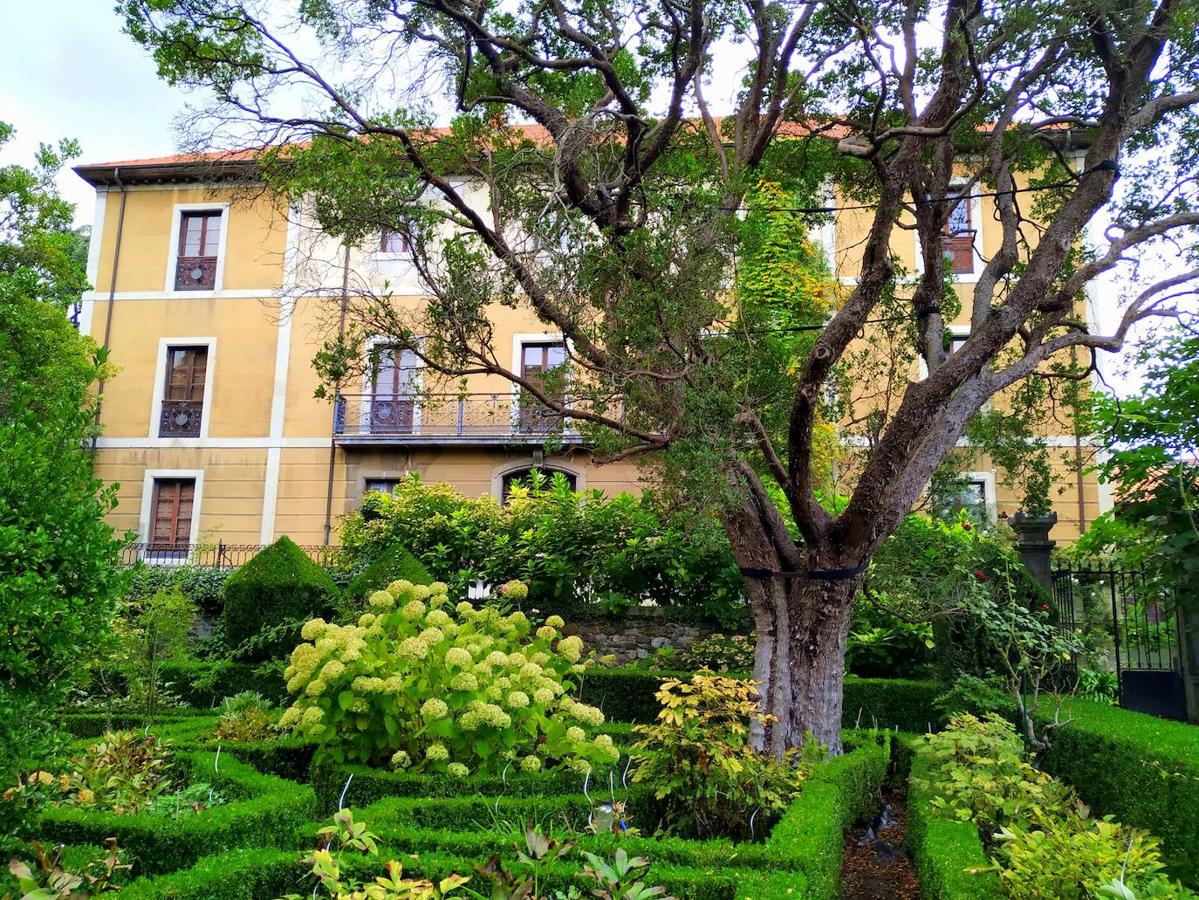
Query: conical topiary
x=393, y=564
x=270, y=597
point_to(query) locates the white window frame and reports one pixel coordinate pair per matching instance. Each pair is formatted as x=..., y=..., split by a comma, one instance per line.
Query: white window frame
x=396, y=475
x=147, y=507
x=545, y=465
x=177, y=212
x=160, y=383
x=990, y=500
x=976, y=256
x=381, y=255
x=368, y=387
x=519, y=340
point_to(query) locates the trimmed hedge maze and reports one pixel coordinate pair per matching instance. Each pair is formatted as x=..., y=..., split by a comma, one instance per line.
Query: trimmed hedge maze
x=439, y=827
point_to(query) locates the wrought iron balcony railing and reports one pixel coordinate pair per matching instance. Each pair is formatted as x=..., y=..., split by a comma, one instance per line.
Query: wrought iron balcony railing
x=181, y=418
x=446, y=419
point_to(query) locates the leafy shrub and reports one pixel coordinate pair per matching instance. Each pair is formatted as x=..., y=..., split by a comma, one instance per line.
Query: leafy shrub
x=1071, y=857
x=394, y=563
x=699, y=760
x=202, y=585
x=1098, y=686
x=245, y=717
x=983, y=776
x=269, y=597
x=151, y=632
x=123, y=772
x=718, y=653
x=579, y=552
x=974, y=695
x=881, y=644
x=431, y=686
x=51, y=879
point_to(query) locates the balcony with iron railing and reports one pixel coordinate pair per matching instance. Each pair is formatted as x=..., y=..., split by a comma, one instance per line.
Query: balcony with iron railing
x=447, y=419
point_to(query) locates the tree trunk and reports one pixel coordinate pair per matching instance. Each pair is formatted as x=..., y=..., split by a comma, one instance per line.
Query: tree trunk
x=819, y=628
x=801, y=625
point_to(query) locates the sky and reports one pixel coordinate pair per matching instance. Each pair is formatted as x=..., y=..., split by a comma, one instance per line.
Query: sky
x=68, y=71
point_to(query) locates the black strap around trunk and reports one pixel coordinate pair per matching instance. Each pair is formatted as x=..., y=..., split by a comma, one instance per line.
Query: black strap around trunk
x=761, y=574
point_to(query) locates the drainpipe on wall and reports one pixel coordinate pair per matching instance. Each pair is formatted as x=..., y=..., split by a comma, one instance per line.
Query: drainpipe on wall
x=112, y=295
x=341, y=328
x=1082, y=506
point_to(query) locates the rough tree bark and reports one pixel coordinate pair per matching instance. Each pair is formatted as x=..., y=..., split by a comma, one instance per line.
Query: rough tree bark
x=801, y=622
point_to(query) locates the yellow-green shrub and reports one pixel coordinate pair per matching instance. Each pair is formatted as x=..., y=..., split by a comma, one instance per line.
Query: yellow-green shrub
x=423, y=684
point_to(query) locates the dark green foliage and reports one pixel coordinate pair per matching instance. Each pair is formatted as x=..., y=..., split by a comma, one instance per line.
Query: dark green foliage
x=627, y=695
x=268, y=598
x=60, y=572
x=205, y=683
x=942, y=849
x=1142, y=770
x=200, y=584
x=392, y=564
x=369, y=784
x=257, y=874
x=581, y=553
x=262, y=812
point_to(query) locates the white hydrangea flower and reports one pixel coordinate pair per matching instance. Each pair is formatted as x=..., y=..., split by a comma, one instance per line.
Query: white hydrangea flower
x=381, y=600
x=517, y=700
x=575, y=734
x=543, y=696
x=401, y=760
x=464, y=681
x=433, y=709
x=457, y=770
x=458, y=656
x=432, y=636
x=555, y=622
x=437, y=752
x=531, y=763
x=312, y=629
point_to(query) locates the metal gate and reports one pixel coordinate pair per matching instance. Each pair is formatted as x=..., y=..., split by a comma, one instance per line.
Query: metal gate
x=1144, y=626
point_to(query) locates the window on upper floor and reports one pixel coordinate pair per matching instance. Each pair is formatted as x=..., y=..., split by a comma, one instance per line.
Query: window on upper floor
x=958, y=242
x=955, y=342
x=171, y=510
x=198, y=251
x=182, y=412
x=395, y=242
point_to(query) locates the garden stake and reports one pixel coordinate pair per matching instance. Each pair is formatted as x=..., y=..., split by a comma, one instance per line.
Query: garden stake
x=216, y=760
x=341, y=799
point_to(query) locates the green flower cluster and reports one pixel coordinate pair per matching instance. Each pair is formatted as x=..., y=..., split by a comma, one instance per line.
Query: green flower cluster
x=422, y=684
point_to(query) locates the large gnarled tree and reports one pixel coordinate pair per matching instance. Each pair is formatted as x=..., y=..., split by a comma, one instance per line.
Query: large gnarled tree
x=586, y=177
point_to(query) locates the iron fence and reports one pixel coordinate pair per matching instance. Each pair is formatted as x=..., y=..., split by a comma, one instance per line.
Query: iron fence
x=210, y=556
x=1140, y=618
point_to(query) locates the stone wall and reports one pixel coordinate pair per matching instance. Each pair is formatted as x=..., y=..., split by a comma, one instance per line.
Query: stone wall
x=637, y=634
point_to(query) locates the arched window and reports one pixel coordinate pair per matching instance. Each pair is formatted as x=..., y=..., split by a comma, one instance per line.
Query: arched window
x=521, y=477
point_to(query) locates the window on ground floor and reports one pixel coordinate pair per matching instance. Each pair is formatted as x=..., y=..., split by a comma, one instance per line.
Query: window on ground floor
x=171, y=511
x=524, y=478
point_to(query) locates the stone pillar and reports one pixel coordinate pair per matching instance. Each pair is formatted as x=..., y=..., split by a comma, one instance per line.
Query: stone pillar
x=1034, y=545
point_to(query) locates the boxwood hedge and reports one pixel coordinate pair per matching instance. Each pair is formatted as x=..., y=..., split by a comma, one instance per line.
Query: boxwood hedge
x=1142, y=770
x=627, y=695
x=262, y=812
x=944, y=849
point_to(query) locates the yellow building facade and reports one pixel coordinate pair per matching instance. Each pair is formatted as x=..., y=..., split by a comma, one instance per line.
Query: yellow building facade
x=212, y=300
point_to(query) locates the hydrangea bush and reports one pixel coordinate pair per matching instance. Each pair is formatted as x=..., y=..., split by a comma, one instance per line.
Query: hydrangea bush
x=422, y=684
